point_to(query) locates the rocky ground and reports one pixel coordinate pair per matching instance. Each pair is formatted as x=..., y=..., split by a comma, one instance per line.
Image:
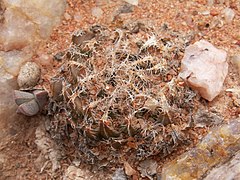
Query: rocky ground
x=28, y=152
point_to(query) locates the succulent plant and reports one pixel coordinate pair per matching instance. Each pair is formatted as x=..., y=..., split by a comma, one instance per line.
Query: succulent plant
x=114, y=93
x=30, y=103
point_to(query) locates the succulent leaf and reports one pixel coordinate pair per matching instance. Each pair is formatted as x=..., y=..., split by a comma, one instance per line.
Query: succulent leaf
x=92, y=133
x=78, y=106
x=56, y=88
x=30, y=108
x=102, y=131
x=111, y=132
x=41, y=97
x=21, y=97
x=131, y=131
x=106, y=131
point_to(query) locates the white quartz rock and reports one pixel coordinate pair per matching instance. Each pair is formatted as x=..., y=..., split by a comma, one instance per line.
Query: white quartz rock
x=204, y=68
x=23, y=25
x=228, y=14
x=28, y=21
x=133, y=2
x=16, y=32
x=10, y=63
x=97, y=12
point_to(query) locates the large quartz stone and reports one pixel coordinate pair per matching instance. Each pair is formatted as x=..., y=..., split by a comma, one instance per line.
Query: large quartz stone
x=218, y=146
x=204, y=68
x=25, y=22
x=10, y=63
x=230, y=170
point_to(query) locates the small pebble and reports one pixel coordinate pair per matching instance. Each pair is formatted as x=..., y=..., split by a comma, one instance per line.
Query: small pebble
x=236, y=61
x=228, y=14
x=202, y=57
x=133, y=2
x=77, y=17
x=210, y=2
x=216, y=22
x=205, y=13
x=214, y=12
x=45, y=60
x=126, y=8
x=194, y=13
x=59, y=56
x=29, y=75
x=67, y=16
x=97, y=12
x=238, y=43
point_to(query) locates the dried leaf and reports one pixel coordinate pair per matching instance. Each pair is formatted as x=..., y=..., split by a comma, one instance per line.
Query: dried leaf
x=82, y=38
x=91, y=133
x=78, y=105
x=129, y=170
x=56, y=89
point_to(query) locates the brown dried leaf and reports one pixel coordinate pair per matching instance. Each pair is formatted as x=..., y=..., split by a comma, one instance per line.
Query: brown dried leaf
x=56, y=90
x=81, y=39
x=129, y=170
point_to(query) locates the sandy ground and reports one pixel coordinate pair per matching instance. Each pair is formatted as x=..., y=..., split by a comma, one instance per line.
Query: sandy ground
x=18, y=151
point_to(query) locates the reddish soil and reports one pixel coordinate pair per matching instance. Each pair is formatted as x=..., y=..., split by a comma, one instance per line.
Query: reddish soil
x=18, y=151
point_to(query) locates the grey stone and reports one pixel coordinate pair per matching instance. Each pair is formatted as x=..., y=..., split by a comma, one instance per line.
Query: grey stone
x=29, y=75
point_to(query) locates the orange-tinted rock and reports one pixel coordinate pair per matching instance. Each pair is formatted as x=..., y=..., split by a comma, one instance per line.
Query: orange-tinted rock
x=214, y=12
x=218, y=146
x=229, y=170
